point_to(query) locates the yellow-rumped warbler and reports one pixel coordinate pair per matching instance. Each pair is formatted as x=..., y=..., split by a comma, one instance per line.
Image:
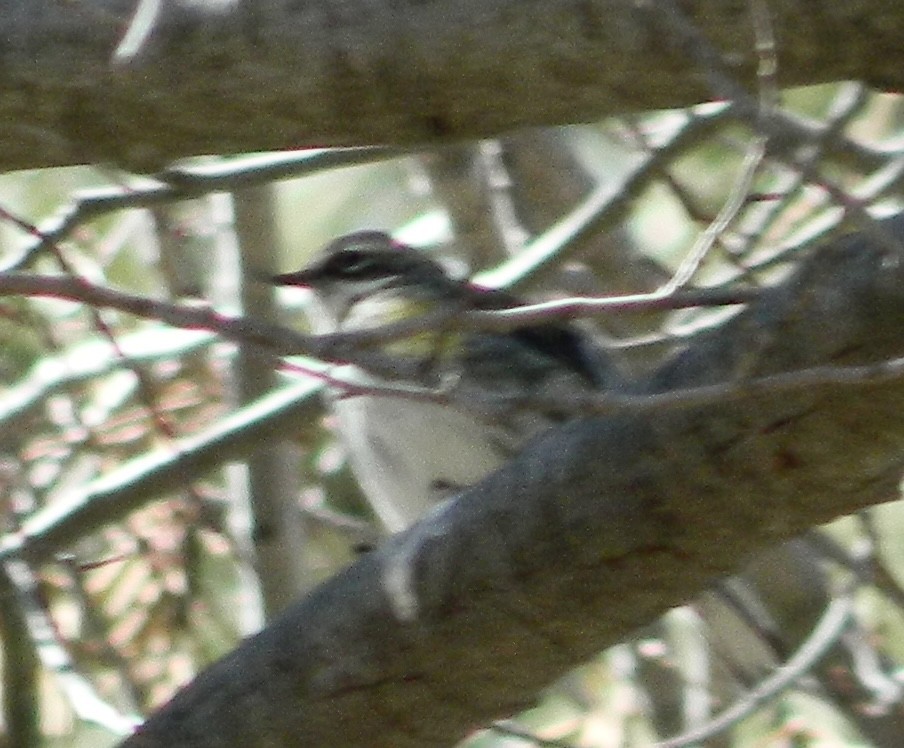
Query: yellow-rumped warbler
x=409, y=454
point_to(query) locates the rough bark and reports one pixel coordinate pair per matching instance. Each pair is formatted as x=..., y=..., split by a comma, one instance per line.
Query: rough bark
x=96, y=81
x=595, y=529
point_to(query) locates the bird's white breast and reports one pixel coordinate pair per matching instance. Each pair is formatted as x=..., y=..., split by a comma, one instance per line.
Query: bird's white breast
x=410, y=455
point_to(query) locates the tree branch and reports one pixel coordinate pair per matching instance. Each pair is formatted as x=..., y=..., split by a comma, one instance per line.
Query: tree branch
x=97, y=81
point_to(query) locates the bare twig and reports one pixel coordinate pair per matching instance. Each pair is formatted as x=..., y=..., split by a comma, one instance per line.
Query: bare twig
x=825, y=634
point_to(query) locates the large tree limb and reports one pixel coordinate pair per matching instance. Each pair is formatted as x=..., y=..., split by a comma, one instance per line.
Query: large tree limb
x=596, y=528
x=142, y=83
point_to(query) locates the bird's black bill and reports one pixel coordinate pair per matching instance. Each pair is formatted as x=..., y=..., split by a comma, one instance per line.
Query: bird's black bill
x=300, y=278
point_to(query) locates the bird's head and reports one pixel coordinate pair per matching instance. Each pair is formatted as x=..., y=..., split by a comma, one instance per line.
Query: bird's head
x=359, y=265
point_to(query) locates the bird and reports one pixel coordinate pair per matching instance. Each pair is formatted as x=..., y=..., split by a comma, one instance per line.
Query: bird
x=410, y=455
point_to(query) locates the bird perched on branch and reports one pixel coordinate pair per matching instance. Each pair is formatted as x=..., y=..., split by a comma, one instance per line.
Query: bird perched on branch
x=408, y=454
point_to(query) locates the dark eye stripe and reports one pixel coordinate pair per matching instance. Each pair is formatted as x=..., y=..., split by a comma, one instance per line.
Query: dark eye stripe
x=353, y=264
x=358, y=265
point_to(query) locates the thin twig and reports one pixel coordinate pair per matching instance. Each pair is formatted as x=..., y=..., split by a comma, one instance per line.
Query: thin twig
x=835, y=620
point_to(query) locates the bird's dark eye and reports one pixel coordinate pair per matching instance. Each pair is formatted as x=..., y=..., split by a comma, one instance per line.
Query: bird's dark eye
x=355, y=264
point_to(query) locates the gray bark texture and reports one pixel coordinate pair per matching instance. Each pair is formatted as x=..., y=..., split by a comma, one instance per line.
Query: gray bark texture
x=592, y=531
x=139, y=84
